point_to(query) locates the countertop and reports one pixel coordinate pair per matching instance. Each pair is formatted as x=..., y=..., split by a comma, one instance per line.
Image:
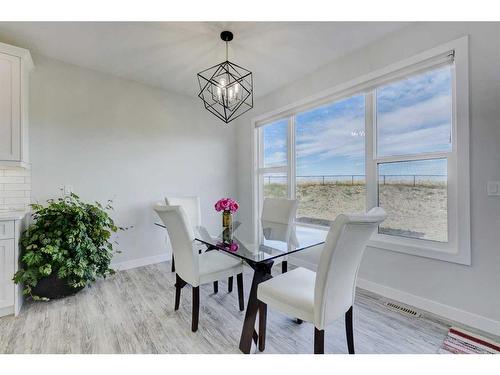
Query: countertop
x=12, y=215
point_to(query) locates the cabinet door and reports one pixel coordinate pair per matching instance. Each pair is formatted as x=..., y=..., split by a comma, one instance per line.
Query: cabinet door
x=10, y=107
x=6, y=273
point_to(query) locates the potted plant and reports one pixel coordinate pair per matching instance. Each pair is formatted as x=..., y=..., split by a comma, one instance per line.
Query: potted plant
x=65, y=248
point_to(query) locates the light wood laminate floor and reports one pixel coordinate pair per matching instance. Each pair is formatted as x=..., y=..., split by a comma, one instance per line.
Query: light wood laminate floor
x=133, y=312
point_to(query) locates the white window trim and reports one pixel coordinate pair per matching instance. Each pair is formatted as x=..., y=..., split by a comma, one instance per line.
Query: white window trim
x=458, y=249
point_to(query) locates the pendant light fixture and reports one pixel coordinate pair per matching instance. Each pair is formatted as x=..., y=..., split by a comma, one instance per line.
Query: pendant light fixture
x=226, y=88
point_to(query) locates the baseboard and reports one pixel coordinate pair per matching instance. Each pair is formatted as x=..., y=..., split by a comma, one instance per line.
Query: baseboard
x=4, y=311
x=139, y=262
x=447, y=312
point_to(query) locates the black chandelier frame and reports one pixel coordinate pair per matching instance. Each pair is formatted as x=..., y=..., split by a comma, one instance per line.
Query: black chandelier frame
x=237, y=76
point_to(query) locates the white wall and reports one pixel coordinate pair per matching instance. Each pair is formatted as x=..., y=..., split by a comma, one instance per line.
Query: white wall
x=474, y=289
x=115, y=139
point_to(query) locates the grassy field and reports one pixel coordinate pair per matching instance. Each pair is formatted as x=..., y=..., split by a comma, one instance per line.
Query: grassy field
x=414, y=211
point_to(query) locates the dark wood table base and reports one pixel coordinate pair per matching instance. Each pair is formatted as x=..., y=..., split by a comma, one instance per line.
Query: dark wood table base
x=262, y=272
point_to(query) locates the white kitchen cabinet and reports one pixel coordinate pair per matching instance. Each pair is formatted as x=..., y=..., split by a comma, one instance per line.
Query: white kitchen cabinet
x=11, y=225
x=6, y=272
x=15, y=65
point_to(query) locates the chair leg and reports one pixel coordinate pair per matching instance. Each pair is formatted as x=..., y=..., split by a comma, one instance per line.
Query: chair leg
x=216, y=287
x=241, y=300
x=284, y=266
x=177, y=297
x=319, y=341
x=179, y=284
x=262, y=325
x=196, y=308
x=230, y=284
x=173, y=264
x=349, y=331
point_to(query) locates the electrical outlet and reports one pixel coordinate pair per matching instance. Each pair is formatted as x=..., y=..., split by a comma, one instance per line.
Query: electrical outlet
x=493, y=188
x=68, y=189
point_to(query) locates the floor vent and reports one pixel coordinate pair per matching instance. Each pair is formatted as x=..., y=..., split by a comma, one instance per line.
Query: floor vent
x=402, y=309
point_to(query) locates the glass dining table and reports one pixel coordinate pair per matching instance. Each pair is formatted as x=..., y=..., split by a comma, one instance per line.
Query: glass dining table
x=275, y=242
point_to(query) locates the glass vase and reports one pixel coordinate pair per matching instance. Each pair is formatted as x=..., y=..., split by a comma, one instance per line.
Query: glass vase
x=227, y=225
x=227, y=219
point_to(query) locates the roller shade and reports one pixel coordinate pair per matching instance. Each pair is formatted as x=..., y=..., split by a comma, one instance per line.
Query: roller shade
x=420, y=67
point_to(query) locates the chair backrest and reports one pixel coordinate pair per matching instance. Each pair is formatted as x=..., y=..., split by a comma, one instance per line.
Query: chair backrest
x=191, y=206
x=181, y=238
x=279, y=210
x=339, y=263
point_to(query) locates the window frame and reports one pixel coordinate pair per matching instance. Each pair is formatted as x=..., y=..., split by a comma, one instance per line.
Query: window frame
x=457, y=249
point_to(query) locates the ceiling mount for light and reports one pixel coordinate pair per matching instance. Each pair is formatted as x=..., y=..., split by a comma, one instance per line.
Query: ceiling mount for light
x=226, y=88
x=226, y=36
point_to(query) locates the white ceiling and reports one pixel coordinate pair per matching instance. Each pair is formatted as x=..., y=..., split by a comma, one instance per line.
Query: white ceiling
x=169, y=54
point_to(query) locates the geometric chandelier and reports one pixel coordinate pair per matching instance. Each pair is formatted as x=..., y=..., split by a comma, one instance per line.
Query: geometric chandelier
x=226, y=88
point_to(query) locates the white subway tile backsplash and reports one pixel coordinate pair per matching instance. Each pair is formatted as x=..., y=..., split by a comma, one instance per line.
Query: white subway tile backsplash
x=16, y=172
x=17, y=207
x=11, y=180
x=23, y=200
x=15, y=188
x=13, y=194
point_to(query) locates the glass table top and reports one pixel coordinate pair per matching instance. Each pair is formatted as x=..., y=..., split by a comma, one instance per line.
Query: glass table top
x=276, y=240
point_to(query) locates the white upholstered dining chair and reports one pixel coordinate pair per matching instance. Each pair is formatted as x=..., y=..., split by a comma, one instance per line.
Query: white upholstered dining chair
x=323, y=296
x=279, y=211
x=192, y=267
x=192, y=208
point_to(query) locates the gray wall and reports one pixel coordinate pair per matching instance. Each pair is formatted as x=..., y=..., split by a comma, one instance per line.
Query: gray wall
x=474, y=289
x=115, y=139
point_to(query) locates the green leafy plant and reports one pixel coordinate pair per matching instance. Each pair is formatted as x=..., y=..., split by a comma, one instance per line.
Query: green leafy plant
x=69, y=239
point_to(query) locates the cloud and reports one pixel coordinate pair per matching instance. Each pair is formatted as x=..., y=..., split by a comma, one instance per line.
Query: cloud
x=275, y=159
x=430, y=139
x=420, y=128
x=333, y=138
x=414, y=116
x=414, y=89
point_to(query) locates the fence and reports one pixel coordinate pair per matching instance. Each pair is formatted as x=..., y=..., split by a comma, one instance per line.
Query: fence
x=406, y=179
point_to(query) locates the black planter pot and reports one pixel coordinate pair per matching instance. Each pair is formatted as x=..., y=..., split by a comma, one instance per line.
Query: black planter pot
x=53, y=287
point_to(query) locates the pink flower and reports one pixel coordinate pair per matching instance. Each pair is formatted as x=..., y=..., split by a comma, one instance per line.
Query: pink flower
x=234, y=206
x=233, y=246
x=226, y=204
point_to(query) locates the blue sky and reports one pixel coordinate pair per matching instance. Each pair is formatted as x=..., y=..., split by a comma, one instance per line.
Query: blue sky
x=413, y=115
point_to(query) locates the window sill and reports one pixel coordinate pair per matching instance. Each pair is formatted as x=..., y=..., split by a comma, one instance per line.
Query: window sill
x=421, y=248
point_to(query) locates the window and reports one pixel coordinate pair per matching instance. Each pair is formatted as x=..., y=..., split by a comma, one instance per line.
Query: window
x=394, y=139
x=414, y=115
x=273, y=165
x=330, y=160
x=274, y=139
x=414, y=195
x=275, y=185
x=414, y=119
